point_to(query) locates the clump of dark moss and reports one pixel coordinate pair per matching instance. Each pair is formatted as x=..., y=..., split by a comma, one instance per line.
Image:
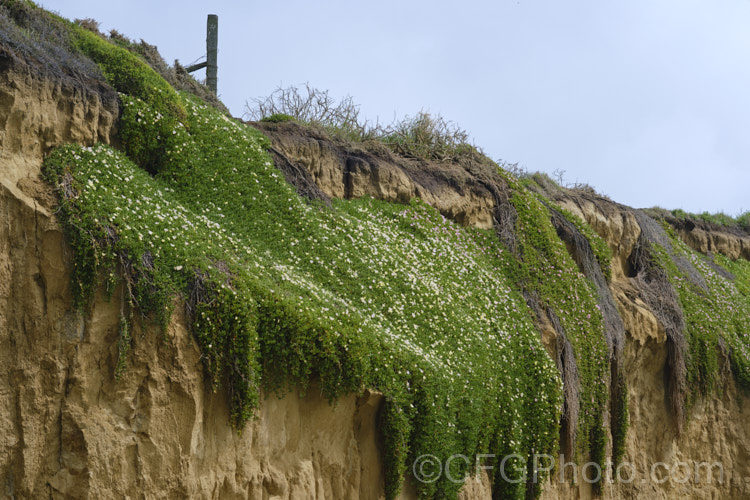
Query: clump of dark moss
x=278, y=118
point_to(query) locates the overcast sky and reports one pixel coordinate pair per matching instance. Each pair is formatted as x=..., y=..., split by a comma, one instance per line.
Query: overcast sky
x=646, y=100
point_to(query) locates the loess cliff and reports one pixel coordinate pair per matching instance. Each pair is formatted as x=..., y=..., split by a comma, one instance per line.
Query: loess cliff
x=196, y=307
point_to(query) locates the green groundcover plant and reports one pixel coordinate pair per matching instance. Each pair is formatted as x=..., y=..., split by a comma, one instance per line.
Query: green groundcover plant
x=364, y=294
x=367, y=294
x=716, y=318
x=280, y=291
x=361, y=294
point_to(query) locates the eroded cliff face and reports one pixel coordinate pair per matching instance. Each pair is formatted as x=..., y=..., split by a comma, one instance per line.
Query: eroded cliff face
x=344, y=170
x=717, y=429
x=709, y=458
x=69, y=429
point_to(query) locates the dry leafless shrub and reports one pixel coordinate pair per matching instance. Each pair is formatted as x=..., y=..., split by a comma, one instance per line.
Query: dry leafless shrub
x=514, y=169
x=423, y=136
x=316, y=107
x=89, y=24
x=429, y=137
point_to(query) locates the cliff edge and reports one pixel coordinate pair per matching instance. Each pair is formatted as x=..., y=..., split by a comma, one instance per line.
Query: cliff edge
x=191, y=306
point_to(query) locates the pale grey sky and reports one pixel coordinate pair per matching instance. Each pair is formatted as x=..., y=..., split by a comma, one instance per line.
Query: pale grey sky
x=646, y=100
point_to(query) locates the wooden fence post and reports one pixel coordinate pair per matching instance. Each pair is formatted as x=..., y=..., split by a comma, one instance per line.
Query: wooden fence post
x=212, y=44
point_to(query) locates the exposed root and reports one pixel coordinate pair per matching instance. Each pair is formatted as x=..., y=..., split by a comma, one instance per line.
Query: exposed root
x=657, y=292
x=566, y=364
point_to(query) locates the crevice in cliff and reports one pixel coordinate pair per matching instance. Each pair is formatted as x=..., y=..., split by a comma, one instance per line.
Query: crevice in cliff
x=299, y=177
x=351, y=165
x=17, y=463
x=657, y=292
